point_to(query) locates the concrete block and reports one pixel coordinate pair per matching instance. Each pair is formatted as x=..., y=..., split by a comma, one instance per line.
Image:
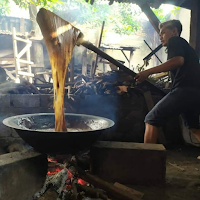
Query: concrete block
x=46, y=100
x=4, y=100
x=5, y=131
x=25, y=100
x=21, y=174
x=6, y=141
x=129, y=163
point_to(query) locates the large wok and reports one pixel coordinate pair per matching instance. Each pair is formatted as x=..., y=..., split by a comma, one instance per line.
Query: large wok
x=38, y=131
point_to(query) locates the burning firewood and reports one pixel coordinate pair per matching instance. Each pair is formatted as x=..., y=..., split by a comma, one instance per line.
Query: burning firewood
x=51, y=194
x=65, y=181
x=57, y=181
x=93, y=192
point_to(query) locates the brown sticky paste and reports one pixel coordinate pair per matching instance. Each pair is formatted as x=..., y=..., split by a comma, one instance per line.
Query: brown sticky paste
x=60, y=38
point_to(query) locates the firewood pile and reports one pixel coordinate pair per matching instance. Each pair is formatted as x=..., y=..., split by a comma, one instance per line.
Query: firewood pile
x=67, y=181
x=18, y=88
x=112, y=82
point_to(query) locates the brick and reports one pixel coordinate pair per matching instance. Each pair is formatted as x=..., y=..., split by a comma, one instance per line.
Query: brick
x=25, y=100
x=4, y=100
x=22, y=174
x=129, y=163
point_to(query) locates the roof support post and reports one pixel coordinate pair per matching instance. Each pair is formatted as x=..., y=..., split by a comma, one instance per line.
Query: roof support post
x=195, y=26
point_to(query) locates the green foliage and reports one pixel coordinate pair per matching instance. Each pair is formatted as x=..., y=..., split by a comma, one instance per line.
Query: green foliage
x=176, y=10
x=4, y=7
x=119, y=17
x=41, y=3
x=159, y=13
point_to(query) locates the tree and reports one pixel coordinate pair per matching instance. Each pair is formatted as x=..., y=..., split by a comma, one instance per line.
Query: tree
x=5, y=6
x=159, y=13
x=119, y=17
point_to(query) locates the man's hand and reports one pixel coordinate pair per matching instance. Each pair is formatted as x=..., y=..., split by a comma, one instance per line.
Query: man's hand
x=140, y=77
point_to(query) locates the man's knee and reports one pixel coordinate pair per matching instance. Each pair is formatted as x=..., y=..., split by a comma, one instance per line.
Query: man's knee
x=153, y=119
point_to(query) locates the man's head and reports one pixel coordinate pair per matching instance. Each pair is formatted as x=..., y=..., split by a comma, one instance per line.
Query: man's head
x=169, y=29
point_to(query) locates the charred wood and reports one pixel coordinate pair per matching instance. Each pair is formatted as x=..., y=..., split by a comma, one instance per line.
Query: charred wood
x=93, y=192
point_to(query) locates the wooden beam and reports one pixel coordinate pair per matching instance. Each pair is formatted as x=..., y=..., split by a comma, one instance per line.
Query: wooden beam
x=151, y=16
x=195, y=26
x=22, y=25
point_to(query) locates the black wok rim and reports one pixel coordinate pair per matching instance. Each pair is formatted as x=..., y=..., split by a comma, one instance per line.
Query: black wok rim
x=9, y=123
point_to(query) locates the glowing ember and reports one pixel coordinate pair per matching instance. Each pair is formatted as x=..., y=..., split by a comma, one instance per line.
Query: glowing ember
x=51, y=160
x=57, y=169
x=81, y=182
x=70, y=175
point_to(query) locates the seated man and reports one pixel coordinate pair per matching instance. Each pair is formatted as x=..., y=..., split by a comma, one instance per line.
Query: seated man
x=184, y=98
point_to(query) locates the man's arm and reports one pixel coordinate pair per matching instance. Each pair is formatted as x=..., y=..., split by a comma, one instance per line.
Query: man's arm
x=165, y=67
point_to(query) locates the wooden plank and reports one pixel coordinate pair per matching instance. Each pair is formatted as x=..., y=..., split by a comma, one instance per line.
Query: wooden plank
x=10, y=74
x=28, y=56
x=151, y=16
x=7, y=61
x=131, y=58
x=131, y=190
x=100, y=38
x=10, y=65
x=25, y=74
x=22, y=25
x=111, y=190
x=15, y=49
x=23, y=40
x=195, y=26
x=24, y=50
x=25, y=61
x=84, y=62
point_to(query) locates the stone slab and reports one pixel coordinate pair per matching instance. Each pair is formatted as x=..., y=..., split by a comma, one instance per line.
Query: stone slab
x=21, y=174
x=129, y=163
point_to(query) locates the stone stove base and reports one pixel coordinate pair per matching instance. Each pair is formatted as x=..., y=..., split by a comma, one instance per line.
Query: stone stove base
x=22, y=174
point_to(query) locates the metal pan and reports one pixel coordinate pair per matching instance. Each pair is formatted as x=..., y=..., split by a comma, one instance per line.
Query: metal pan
x=38, y=131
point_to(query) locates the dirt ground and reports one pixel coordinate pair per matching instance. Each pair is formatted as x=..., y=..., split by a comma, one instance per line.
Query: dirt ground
x=182, y=176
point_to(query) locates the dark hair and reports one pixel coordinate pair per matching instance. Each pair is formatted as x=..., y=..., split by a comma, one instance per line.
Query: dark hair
x=171, y=24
